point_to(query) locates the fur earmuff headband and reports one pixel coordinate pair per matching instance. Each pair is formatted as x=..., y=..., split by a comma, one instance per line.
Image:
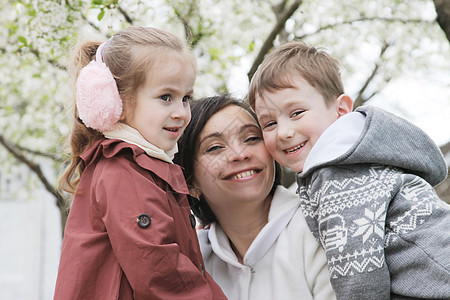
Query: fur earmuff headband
x=97, y=97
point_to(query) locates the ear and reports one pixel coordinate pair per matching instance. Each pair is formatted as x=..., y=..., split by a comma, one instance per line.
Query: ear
x=128, y=108
x=344, y=105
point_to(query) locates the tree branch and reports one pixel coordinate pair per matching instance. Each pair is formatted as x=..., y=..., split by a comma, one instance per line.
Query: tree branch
x=359, y=99
x=125, y=15
x=83, y=16
x=190, y=35
x=363, y=19
x=35, y=168
x=49, y=60
x=38, y=153
x=443, y=15
x=268, y=44
x=445, y=148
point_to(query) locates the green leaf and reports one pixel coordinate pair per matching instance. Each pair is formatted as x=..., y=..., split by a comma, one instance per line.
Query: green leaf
x=101, y=15
x=214, y=53
x=32, y=12
x=251, y=46
x=97, y=2
x=23, y=40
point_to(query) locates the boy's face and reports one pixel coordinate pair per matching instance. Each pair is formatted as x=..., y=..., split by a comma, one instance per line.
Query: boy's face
x=292, y=120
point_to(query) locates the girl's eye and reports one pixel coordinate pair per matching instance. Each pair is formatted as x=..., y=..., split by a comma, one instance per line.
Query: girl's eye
x=186, y=99
x=165, y=97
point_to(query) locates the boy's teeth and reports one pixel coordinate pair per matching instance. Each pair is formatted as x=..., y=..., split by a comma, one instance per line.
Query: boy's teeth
x=244, y=174
x=295, y=148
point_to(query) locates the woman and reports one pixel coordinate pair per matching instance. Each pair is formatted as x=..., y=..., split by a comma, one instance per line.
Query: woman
x=255, y=240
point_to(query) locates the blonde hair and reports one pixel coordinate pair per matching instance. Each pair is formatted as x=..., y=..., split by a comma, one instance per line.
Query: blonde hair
x=129, y=55
x=292, y=59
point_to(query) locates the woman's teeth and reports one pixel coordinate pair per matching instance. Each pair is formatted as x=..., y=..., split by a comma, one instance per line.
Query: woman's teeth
x=243, y=174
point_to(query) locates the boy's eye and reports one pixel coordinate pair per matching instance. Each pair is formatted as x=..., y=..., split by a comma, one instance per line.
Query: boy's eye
x=297, y=112
x=186, y=99
x=165, y=97
x=269, y=124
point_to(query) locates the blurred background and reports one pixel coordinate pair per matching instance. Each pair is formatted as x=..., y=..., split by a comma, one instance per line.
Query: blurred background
x=394, y=54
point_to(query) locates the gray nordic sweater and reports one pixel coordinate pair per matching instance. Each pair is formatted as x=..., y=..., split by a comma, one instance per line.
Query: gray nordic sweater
x=367, y=195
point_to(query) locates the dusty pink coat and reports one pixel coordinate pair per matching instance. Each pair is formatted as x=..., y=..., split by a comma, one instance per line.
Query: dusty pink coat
x=107, y=255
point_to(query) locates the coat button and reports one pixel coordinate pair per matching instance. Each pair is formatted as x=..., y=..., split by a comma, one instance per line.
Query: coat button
x=143, y=220
x=193, y=221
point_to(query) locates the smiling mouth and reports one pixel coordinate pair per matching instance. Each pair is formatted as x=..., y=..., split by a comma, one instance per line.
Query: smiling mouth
x=172, y=129
x=294, y=149
x=244, y=174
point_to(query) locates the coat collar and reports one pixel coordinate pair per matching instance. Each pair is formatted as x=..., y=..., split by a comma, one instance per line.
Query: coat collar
x=108, y=148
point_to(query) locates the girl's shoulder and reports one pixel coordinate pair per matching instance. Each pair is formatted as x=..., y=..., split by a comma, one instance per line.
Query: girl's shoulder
x=118, y=156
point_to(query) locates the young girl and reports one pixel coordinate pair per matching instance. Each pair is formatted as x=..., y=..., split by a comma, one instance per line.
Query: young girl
x=130, y=234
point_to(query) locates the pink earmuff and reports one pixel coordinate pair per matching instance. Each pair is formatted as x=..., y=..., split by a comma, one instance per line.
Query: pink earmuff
x=97, y=97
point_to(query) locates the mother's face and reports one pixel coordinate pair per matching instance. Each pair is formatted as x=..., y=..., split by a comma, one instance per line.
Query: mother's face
x=232, y=164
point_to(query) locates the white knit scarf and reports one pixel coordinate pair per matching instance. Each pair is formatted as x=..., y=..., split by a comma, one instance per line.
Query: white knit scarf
x=130, y=135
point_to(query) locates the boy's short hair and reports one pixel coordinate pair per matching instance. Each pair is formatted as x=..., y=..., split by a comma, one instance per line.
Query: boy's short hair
x=293, y=59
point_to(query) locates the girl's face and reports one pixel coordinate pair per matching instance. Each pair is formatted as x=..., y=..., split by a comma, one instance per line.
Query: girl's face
x=162, y=110
x=232, y=164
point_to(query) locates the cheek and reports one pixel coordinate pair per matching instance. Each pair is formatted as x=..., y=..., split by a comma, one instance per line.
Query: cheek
x=269, y=141
x=262, y=150
x=188, y=115
x=203, y=174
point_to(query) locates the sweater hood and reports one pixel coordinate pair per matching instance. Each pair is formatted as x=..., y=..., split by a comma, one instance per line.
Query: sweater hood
x=372, y=135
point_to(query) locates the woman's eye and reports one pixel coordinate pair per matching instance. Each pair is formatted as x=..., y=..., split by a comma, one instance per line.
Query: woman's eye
x=165, y=97
x=252, y=139
x=213, y=148
x=186, y=99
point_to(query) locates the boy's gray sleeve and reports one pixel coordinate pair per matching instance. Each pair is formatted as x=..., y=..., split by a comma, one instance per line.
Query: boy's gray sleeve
x=417, y=241
x=346, y=211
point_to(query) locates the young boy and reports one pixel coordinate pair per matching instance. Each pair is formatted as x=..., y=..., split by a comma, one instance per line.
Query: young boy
x=365, y=179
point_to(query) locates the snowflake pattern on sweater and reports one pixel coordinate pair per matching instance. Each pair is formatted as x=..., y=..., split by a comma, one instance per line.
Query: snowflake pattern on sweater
x=356, y=219
x=351, y=211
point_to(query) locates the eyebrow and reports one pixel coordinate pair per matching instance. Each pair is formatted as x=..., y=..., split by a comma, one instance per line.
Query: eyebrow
x=262, y=115
x=220, y=134
x=173, y=90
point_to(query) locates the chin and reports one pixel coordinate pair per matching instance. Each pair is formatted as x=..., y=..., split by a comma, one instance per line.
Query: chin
x=295, y=168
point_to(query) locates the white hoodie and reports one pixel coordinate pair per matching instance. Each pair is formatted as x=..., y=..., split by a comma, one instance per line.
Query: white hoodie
x=283, y=262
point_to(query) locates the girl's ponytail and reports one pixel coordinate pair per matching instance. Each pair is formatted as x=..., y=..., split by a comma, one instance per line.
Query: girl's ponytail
x=81, y=137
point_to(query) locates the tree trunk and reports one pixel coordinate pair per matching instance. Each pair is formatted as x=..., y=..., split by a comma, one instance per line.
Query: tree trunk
x=443, y=18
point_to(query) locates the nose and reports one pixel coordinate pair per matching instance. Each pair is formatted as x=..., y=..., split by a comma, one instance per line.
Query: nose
x=238, y=152
x=180, y=110
x=285, y=132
